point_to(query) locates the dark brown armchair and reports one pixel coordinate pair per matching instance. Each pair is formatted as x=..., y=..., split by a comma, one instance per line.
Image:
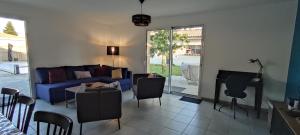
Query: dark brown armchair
x=148, y=87
x=101, y=104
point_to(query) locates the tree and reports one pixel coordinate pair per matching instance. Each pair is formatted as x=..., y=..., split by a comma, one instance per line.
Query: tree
x=9, y=29
x=160, y=45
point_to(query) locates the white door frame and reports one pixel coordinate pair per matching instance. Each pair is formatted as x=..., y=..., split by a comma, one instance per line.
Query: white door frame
x=171, y=54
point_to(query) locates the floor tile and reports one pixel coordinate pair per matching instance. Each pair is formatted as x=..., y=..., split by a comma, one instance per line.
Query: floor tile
x=174, y=117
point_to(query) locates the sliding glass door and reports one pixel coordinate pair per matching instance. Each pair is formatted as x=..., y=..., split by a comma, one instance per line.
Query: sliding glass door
x=158, y=54
x=176, y=54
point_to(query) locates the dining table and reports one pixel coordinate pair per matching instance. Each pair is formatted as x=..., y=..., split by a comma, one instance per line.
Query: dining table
x=7, y=127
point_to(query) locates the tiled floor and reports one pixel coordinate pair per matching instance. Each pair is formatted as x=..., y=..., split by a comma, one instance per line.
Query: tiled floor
x=174, y=117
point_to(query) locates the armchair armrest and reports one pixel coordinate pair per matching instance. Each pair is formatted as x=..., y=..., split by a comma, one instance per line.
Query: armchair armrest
x=87, y=106
x=110, y=104
x=138, y=76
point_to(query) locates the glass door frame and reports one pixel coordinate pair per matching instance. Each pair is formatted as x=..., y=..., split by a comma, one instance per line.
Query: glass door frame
x=28, y=49
x=171, y=30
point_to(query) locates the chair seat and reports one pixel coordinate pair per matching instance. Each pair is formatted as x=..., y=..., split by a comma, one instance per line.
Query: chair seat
x=231, y=94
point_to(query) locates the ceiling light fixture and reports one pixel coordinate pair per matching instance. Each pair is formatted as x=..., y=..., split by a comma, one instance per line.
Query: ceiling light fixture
x=141, y=19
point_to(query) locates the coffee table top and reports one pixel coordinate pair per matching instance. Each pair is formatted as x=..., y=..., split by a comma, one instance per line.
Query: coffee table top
x=95, y=85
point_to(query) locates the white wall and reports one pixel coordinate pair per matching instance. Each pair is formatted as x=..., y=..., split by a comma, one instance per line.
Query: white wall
x=56, y=39
x=231, y=38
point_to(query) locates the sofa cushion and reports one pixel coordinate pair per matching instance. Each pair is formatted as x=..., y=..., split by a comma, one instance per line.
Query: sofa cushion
x=82, y=74
x=42, y=75
x=107, y=70
x=70, y=71
x=116, y=74
x=104, y=79
x=98, y=72
x=56, y=75
x=91, y=68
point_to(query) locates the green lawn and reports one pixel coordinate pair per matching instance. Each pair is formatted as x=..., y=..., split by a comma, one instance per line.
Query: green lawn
x=156, y=68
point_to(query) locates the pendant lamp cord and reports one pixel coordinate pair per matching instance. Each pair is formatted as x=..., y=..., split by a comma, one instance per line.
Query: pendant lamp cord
x=141, y=8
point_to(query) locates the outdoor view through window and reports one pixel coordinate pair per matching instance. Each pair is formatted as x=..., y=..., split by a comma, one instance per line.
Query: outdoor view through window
x=185, y=57
x=13, y=55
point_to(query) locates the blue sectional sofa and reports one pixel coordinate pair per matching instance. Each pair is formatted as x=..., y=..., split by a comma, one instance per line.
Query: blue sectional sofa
x=55, y=92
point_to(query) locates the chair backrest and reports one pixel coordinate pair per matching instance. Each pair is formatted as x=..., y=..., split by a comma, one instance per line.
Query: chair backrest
x=88, y=106
x=64, y=123
x=26, y=106
x=150, y=87
x=237, y=84
x=138, y=76
x=8, y=106
x=100, y=104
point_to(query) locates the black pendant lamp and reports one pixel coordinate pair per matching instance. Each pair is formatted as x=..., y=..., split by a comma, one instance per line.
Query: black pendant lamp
x=141, y=19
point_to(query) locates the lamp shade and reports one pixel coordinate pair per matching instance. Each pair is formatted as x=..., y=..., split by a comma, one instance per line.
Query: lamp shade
x=141, y=20
x=113, y=50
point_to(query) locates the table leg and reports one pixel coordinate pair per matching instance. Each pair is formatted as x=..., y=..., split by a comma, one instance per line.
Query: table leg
x=259, y=97
x=75, y=100
x=217, y=93
x=66, y=99
x=256, y=98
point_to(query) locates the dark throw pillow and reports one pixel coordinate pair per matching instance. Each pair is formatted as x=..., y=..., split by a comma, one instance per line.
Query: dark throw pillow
x=107, y=70
x=57, y=75
x=98, y=72
x=91, y=68
x=70, y=71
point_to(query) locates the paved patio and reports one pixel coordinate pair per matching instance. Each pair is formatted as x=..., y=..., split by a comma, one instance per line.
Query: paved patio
x=182, y=85
x=20, y=81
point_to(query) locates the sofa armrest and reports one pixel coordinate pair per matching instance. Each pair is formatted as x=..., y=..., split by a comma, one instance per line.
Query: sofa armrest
x=129, y=75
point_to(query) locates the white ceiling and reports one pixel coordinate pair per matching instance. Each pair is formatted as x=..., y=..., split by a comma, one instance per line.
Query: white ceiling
x=120, y=10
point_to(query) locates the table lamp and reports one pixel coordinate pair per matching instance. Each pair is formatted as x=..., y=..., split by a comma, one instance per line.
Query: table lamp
x=257, y=61
x=113, y=50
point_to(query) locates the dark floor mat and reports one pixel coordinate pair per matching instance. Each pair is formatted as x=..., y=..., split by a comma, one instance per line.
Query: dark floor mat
x=190, y=99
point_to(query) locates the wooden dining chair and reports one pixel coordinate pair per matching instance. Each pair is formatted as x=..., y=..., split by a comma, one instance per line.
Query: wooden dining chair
x=8, y=106
x=64, y=123
x=26, y=106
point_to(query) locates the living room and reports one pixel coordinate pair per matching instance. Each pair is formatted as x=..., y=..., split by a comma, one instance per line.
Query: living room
x=76, y=33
